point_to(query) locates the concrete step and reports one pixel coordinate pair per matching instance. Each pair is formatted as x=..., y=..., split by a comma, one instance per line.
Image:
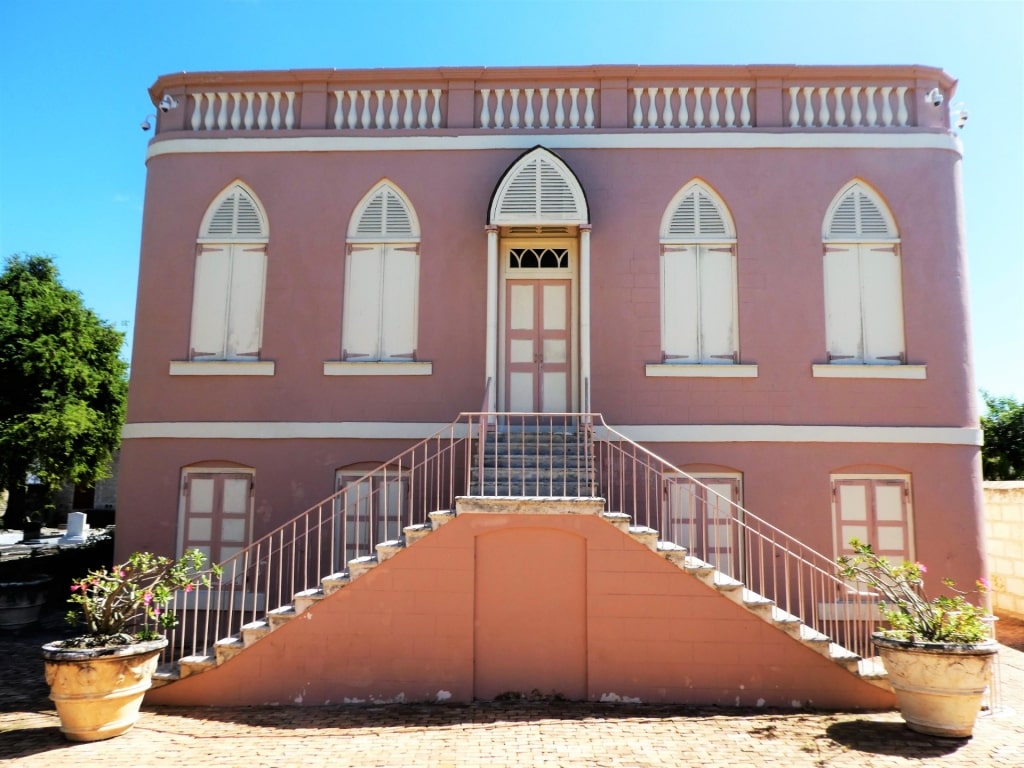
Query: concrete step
x=307, y=598
x=281, y=616
x=335, y=581
x=227, y=648
x=255, y=631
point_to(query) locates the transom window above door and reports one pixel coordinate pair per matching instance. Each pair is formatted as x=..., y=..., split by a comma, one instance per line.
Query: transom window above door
x=538, y=258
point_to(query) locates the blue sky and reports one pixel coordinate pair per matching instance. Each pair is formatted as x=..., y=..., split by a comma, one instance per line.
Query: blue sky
x=74, y=79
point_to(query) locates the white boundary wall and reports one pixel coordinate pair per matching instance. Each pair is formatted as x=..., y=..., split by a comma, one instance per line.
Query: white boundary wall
x=1004, y=531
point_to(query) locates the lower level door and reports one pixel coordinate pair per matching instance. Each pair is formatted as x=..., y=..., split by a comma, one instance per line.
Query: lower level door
x=538, y=331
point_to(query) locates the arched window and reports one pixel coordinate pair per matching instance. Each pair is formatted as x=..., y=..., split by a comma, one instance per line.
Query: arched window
x=381, y=279
x=698, y=280
x=230, y=273
x=863, y=280
x=537, y=189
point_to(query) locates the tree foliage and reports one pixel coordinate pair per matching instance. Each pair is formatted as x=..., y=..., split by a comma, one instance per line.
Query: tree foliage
x=1002, y=456
x=62, y=381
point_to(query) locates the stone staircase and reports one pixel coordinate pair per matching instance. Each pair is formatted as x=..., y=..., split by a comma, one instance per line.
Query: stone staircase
x=763, y=608
x=556, y=462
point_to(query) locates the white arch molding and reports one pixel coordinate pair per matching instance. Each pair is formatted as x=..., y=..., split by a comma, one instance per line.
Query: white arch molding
x=537, y=190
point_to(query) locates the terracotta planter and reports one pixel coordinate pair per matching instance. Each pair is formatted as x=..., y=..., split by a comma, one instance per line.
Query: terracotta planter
x=98, y=691
x=22, y=600
x=939, y=686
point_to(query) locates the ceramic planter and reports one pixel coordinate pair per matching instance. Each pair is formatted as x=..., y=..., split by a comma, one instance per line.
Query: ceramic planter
x=22, y=600
x=939, y=686
x=98, y=691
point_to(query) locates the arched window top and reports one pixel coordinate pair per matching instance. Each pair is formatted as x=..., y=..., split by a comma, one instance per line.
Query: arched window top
x=235, y=215
x=384, y=214
x=858, y=213
x=697, y=213
x=537, y=189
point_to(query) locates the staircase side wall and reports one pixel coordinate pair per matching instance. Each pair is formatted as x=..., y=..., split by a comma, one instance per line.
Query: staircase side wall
x=406, y=631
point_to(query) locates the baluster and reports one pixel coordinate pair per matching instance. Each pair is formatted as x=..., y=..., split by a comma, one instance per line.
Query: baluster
x=338, y=113
x=713, y=117
x=545, y=116
x=574, y=108
x=855, y=106
x=666, y=110
x=698, y=107
x=485, y=108
x=872, y=110
x=236, y=113
x=730, y=110
x=528, y=114
x=275, y=114
x=513, y=115
x=638, y=114
x=378, y=114
x=808, y=107
x=222, y=111
x=840, y=110
x=745, y=107
x=261, y=117
x=684, y=112
x=248, y=117
x=421, y=117
x=901, y=101
x=289, y=116
x=588, y=114
x=499, y=108
x=352, y=107
x=393, y=113
x=197, y=111
x=886, y=106
x=652, y=108
x=407, y=114
x=364, y=115
x=794, y=112
x=435, y=115
x=823, y=112
x=559, y=108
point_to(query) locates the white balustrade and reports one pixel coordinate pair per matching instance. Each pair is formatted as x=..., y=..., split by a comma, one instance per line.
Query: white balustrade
x=843, y=106
x=243, y=110
x=692, y=107
x=391, y=108
x=533, y=108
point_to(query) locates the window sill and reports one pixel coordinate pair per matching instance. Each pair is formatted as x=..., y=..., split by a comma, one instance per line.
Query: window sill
x=396, y=368
x=701, y=371
x=867, y=371
x=222, y=368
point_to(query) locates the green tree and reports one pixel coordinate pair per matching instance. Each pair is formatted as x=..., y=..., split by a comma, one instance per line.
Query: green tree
x=62, y=383
x=1002, y=456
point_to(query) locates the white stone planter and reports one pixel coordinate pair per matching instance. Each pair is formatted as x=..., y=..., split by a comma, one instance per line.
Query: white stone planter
x=98, y=691
x=939, y=686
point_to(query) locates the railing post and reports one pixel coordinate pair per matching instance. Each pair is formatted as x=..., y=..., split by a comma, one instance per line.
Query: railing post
x=491, y=344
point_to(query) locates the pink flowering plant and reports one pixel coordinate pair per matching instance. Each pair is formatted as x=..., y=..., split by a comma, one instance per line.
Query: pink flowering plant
x=129, y=603
x=911, y=615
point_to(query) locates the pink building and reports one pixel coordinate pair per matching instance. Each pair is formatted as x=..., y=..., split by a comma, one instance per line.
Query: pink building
x=729, y=303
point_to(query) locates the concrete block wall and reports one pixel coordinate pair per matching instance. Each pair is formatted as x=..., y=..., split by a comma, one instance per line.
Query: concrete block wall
x=1004, y=531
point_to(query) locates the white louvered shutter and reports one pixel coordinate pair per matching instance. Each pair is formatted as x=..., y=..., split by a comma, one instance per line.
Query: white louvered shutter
x=843, y=333
x=209, y=302
x=398, y=314
x=245, y=302
x=875, y=511
x=679, y=305
x=717, y=305
x=882, y=304
x=362, y=313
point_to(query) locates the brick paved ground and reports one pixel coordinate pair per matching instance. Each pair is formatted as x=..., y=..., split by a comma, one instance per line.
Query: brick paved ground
x=497, y=735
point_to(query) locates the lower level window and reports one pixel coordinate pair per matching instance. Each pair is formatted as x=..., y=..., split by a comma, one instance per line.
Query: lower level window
x=368, y=510
x=216, y=513
x=700, y=511
x=875, y=509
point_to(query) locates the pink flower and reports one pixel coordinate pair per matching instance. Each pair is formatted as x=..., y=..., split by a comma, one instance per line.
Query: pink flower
x=922, y=567
x=984, y=583
x=147, y=598
x=188, y=587
x=156, y=611
x=75, y=587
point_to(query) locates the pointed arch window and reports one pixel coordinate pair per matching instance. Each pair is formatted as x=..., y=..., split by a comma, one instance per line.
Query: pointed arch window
x=230, y=277
x=863, y=280
x=698, y=280
x=539, y=188
x=381, y=279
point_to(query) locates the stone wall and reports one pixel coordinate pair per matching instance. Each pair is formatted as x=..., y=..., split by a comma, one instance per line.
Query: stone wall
x=1004, y=530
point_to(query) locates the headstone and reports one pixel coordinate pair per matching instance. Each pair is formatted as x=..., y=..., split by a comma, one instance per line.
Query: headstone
x=77, y=529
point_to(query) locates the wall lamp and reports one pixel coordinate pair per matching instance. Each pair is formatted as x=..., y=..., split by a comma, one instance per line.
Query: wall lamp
x=166, y=104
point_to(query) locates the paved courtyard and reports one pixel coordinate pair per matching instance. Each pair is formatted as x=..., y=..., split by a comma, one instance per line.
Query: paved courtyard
x=499, y=735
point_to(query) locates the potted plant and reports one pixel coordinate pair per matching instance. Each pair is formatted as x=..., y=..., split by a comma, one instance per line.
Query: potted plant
x=97, y=680
x=937, y=652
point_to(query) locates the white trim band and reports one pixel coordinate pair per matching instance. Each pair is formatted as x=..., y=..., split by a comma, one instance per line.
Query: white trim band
x=221, y=368
x=839, y=371
x=650, y=433
x=562, y=140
